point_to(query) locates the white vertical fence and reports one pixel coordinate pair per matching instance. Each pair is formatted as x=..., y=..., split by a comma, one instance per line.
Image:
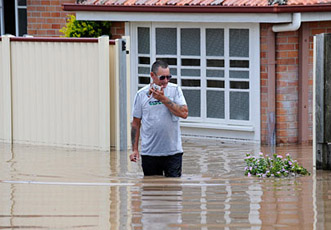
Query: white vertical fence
x=57, y=92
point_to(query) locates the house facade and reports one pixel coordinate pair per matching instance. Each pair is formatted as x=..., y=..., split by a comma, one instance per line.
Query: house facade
x=245, y=67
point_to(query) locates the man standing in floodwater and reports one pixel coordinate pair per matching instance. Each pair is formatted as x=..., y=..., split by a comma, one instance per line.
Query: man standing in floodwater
x=156, y=112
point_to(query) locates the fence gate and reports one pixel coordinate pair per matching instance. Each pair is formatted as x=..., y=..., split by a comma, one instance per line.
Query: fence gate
x=322, y=101
x=64, y=92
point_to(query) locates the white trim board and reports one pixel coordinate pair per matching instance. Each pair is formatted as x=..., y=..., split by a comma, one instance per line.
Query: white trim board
x=201, y=17
x=225, y=134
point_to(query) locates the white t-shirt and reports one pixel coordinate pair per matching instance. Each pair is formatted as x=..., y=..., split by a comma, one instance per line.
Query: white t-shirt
x=160, y=131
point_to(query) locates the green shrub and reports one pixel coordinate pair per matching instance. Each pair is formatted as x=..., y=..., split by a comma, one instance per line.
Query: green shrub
x=75, y=28
x=265, y=166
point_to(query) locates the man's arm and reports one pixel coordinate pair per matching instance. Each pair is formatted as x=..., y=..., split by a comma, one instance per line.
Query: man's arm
x=175, y=109
x=135, y=134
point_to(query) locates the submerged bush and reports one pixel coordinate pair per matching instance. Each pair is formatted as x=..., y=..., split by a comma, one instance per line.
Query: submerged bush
x=264, y=166
x=75, y=28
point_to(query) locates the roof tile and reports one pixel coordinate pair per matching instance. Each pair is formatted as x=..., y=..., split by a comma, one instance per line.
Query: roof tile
x=183, y=2
x=141, y=2
x=151, y=2
x=110, y=2
x=217, y=2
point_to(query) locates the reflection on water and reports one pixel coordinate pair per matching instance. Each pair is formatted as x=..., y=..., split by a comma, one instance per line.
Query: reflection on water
x=53, y=188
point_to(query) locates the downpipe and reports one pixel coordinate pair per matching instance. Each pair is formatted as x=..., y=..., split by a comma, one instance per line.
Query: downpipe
x=292, y=26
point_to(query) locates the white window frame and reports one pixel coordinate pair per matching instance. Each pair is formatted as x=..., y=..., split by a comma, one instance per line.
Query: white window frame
x=253, y=124
x=17, y=7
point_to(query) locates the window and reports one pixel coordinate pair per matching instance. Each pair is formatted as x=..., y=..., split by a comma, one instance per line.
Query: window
x=212, y=64
x=1, y=18
x=21, y=17
x=13, y=17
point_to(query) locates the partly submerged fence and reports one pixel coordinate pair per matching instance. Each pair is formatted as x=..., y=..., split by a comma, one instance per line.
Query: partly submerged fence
x=322, y=101
x=64, y=92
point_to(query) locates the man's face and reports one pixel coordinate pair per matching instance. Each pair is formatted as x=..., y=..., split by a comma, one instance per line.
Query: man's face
x=161, y=72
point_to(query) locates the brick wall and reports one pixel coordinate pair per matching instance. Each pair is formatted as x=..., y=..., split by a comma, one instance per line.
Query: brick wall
x=264, y=81
x=46, y=17
x=287, y=69
x=287, y=63
x=117, y=29
x=286, y=85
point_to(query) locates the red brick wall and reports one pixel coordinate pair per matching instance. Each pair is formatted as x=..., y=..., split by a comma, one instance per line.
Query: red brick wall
x=286, y=85
x=117, y=29
x=287, y=68
x=264, y=81
x=287, y=63
x=46, y=17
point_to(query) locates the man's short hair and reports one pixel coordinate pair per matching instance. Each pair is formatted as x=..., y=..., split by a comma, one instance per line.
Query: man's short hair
x=157, y=64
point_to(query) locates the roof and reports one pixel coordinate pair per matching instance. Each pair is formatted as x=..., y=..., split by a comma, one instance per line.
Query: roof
x=234, y=3
x=200, y=6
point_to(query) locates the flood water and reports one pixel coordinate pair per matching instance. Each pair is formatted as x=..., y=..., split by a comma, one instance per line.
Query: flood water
x=56, y=188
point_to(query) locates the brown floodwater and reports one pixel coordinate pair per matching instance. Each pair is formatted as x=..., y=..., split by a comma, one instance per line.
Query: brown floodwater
x=56, y=188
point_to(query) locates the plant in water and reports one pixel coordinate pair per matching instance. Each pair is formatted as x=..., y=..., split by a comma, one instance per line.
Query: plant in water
x=265, y=166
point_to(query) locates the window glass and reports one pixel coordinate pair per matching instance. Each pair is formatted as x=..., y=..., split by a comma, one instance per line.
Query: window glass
x=0, y=19
x=22, y=18
x=173, y=71
x=215, y=84
x=190, y=62
x=173, y=80
x=239, y=74
x=143, y=55
x=239, y=105
x=144, y=80
x=21, y=2
x=239, y=84
x=239, y=42
x=215, y=42
x=144, y=60
x=144, y=70
x=192, y=98
x=215, y=63
x=215, y=73
x=215, y=104
x=9, y=23
x=190, y=42
x=190, y=72
x=143, y=41
x=239, y=64
x=170, y=61
x=191, y=83
x=166, y=41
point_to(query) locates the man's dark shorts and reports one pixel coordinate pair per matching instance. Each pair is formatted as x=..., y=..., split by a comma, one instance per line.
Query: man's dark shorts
x=171, y=165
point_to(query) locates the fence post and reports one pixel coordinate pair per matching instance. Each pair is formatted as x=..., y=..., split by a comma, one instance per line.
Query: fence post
x=104, y=93
x=128, y=90
x=322, y=136
x=7, y=89
x=122, y=85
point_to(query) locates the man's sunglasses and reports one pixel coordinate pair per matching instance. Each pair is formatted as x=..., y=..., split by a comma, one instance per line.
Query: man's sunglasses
x=164, y=77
